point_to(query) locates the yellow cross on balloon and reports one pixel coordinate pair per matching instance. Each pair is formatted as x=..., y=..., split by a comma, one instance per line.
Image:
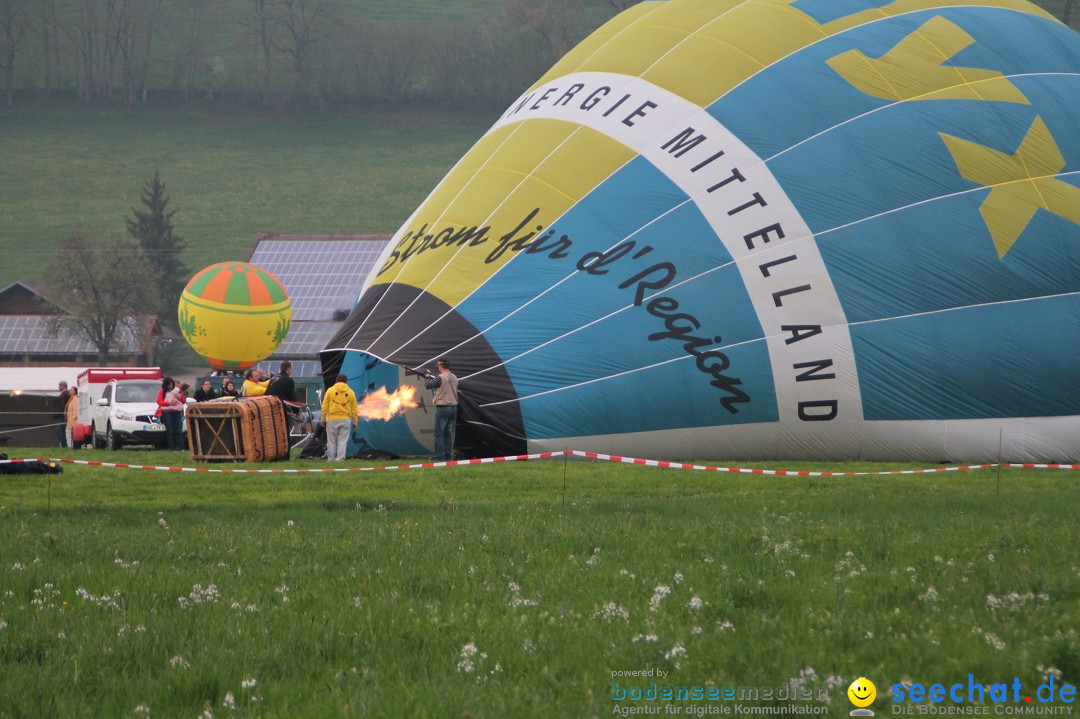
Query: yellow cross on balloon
x=1020, y=184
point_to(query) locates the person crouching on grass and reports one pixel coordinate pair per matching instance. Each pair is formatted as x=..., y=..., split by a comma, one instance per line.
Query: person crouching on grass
x=339, y=413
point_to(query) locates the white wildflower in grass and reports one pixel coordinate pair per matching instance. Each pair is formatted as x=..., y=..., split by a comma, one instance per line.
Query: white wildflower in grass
x=675, y=652
x=696, y=603
x=1013, y=601
x=61, y=635
x=105, y=600
x=869, y=635
x=594, y=558
x=630, y=575
x=781, y=547
x=849, y=566
x=991, y=558
x=697, y=631
x=905, y=683
x=659, y=593
x=725, y=626
x=125, y=565
x=142, y=710
x=807, y=676
x=356, y=602
x=527, y=646
x=995, y=641
x=650, y=638
x=283, y=590
x=208, y=713
x=178, y=662
x=229, y=702
x=251, y=608
x=707, y=559
x=513, y=587
x=929, y=596
x=17, y=567
x=235, y=606
x=519, y=601
x=485, y=539
x=200, y=595
x=469, y=658
x=290, y=523
x=3, y=624
x=611, y=612
x=790, y=573
x=1048, y=672
x=472, y=569
x=162, y=523
x=678, y=577
x=248, y=684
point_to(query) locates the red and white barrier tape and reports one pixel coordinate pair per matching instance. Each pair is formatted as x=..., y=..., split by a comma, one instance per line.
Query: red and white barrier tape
x=548, y=455
x=313, y=470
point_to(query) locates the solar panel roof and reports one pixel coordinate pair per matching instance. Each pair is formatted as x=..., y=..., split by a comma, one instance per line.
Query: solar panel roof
x=35, y=334
x=322, y=276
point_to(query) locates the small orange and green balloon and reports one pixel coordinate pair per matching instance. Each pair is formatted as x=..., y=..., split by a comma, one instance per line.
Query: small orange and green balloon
x=234, y=314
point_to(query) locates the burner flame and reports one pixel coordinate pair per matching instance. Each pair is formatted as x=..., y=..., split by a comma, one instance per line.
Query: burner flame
x=384, y=405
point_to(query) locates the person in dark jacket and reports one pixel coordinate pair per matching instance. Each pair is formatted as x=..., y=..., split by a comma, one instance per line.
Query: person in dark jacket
x=205, y=392
x=283, y=387
x=60, y=405
x=228, y=389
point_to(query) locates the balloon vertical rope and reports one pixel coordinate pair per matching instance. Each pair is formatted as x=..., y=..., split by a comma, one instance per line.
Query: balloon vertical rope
x=566, y=453
x=1001, y=433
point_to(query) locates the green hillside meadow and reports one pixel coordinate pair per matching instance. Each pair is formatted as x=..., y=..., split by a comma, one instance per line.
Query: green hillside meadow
x=526, y=590
x=229, y=176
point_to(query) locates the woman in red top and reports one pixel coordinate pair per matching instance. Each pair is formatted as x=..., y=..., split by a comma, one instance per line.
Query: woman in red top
x=171, y=403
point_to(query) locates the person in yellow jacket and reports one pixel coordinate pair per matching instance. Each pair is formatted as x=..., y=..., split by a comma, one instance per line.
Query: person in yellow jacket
x=339, y=416
x=254, y=385
x=71, y=415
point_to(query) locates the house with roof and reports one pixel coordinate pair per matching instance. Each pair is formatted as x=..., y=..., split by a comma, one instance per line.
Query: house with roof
x=33, y=335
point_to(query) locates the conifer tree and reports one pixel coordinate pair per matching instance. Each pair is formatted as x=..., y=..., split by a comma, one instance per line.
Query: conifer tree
x=153, y=229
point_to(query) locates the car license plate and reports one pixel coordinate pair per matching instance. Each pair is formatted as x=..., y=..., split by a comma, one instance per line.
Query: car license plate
x=153, y=427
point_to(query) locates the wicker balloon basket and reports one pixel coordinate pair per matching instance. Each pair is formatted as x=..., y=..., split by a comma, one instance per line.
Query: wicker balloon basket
x=246, y=430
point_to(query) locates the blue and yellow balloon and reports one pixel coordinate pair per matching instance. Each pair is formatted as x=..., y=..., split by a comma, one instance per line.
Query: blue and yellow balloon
x=760, y=229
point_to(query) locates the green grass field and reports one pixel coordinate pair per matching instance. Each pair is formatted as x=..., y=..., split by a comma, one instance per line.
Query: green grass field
x=517, y=590
x=229, y=175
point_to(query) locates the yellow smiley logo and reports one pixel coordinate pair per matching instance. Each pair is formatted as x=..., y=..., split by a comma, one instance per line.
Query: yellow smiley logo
x=862, y=692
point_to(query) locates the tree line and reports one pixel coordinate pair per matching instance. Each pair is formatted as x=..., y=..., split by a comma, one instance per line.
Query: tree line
x=290, y=52
x=109, y=288
x=276, y=52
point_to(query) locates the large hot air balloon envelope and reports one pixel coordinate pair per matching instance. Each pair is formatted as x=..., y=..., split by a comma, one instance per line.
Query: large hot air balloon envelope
x=234, y=314
x=758, y=229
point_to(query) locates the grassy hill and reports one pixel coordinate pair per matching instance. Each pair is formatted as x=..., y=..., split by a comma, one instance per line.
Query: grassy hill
x=230, y=176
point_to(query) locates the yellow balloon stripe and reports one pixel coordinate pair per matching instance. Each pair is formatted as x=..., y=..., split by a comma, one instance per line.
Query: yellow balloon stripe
x=661, y=41
x=512, y=183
